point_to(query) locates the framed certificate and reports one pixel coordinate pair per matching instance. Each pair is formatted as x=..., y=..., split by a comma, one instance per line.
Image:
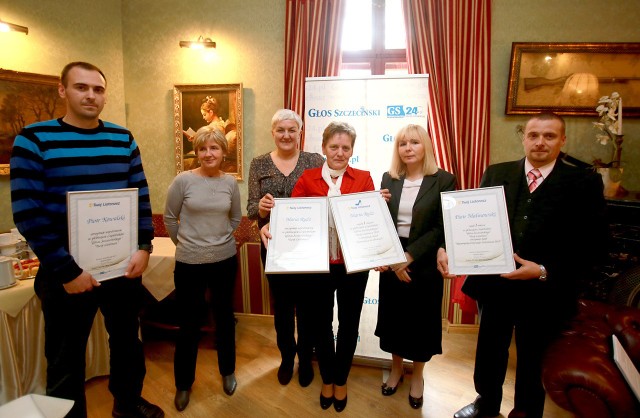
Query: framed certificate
x=367, y=234
x=103, y=230
x=299, y=236
x=476, y=231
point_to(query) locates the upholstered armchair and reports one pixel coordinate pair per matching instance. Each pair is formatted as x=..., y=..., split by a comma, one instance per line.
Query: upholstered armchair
x=579, y=373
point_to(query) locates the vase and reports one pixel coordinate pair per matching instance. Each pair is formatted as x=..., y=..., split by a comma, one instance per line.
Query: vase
x=611, y=178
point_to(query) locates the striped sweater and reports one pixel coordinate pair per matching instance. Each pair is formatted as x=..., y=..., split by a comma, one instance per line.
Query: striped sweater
x=52, y=158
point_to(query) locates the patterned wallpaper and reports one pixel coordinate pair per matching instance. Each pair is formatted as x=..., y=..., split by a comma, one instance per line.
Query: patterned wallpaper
x=79, y=31
x=250, y=49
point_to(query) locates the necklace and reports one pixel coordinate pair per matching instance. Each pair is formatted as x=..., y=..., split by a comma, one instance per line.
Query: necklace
x=214, y=189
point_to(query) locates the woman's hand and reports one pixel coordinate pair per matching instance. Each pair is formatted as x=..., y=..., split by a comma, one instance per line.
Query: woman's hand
x=264, y=206
x=443, y=264
x=381, y=268
x=402, y=270
x=386, y=195
x=265, y=235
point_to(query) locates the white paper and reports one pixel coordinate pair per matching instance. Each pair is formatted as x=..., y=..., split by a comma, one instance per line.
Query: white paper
x=477, y=234
x=36, y=406
x=103, y=230
x=367, y=234
x=626, y=366
x=300, y=236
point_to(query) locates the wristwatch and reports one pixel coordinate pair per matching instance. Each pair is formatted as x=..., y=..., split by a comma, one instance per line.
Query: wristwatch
x=146, y=247
x=543, y=274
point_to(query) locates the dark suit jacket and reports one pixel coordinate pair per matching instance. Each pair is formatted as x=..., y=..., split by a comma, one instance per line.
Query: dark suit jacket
x=426, y=233
x=565, y=231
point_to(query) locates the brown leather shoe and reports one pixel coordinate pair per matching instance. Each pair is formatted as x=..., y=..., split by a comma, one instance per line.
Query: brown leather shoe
x=181, y=400
x=229, y=384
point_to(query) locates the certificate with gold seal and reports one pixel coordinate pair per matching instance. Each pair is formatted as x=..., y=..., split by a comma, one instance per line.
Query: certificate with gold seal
x=367, y=234
x=476, y=230
x=103, y=230
x=299, y=241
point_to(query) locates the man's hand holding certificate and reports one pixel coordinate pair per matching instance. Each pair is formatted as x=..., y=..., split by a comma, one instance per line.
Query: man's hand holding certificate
x=477, y=234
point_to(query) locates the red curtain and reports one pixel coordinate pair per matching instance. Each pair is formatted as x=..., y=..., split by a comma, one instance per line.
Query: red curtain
x=450, y=40
x=312, y=46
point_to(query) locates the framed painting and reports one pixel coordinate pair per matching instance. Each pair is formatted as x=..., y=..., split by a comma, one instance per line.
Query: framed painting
x=25, y=98
x=217, y=105
x=569, y=78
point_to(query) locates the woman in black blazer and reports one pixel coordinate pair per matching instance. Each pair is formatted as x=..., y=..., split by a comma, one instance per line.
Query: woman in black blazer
x=409, y=312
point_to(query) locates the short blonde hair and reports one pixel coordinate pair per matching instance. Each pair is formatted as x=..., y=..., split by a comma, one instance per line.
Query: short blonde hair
x=286, y=114
x=338, y=128
x=207, y=133
x=429, y=166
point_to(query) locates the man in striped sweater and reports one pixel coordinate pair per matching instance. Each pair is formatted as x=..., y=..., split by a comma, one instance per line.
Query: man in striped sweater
x=80, y=152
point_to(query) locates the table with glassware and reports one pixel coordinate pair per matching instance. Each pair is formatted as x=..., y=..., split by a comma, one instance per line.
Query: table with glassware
x=22, y=360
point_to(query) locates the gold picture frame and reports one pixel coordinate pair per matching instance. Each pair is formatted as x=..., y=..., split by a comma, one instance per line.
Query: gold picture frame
x=569, y=78
x=187, y=118
x=25, y=98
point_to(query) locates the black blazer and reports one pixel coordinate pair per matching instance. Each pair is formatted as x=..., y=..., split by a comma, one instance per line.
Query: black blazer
x=426, y=233
x=566, y=231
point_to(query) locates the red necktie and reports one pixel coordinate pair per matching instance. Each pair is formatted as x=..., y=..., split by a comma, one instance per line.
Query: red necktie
x=533, y=175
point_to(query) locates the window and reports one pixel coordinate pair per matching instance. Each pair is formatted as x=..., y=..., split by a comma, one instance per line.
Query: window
x=373, y=38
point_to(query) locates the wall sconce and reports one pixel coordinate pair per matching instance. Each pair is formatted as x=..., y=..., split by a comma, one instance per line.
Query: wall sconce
x=12, y=27
x=201, y=43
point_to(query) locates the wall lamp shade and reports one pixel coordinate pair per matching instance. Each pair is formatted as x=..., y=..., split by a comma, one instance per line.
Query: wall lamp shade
x=201, y=43
x=581, y=89
x=12, y=27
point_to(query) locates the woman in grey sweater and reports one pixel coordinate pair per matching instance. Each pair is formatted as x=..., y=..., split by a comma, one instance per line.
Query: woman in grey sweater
x=201, y=214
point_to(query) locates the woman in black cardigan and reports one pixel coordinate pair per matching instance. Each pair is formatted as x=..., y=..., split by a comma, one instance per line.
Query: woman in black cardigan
x=409, y=314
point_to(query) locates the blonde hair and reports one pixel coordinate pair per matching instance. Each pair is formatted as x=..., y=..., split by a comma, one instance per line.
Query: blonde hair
x=429, y=166
x=286, y=114
x=207, y=133
x=210, y=104
x=338, y=128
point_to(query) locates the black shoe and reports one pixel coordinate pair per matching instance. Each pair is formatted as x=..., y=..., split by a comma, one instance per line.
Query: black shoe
x=181, y=400
x=340, y=404
x=388, y=390
x=416, y=403
x=141, y=409
x=325, y=403
x=305, y=374
x=474, y=410
x=229, y=384
x=285, y=373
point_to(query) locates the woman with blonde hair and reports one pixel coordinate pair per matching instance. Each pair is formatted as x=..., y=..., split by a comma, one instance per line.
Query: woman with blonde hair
x=410, y=296
x=201, y=214
x=273, y=175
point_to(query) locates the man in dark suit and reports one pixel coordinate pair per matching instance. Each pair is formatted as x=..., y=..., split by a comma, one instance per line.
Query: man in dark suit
x=558, y=231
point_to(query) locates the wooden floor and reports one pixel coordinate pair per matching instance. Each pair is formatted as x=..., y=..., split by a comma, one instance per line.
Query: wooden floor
x=448, y=382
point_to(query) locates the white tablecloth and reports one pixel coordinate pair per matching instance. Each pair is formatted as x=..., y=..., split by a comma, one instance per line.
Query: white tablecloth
x=158, y=277
x=22, y=362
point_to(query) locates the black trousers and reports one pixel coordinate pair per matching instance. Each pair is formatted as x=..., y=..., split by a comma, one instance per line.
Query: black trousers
x=534, y=329
x=290, y=302
x=192, y=281
x=68, y=321
x=335, y=354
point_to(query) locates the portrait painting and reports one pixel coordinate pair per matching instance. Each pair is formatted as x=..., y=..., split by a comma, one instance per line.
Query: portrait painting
x=215, y=105
x=25, y=98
